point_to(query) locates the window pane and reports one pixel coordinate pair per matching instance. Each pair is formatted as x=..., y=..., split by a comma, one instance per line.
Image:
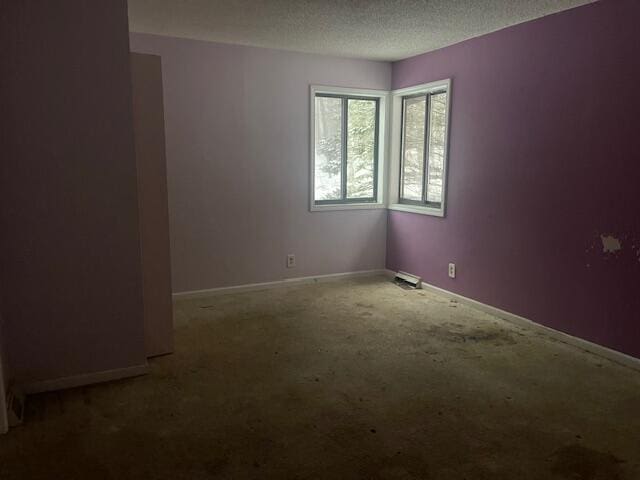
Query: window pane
x=437, y=124
x=413, y=148
x=361, y=141
x=328, y=149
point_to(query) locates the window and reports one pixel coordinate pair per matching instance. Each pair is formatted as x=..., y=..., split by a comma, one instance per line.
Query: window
x=346, y=131
x=420, y=136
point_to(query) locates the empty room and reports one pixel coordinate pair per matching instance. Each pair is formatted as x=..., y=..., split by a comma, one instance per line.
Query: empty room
x=319, y=239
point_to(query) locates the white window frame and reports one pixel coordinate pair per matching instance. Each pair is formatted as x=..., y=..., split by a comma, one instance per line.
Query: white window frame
x=395, y=151
x=382, y=96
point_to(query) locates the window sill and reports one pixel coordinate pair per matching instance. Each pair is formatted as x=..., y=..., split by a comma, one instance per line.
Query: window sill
x=401, y=207
x=347, y=206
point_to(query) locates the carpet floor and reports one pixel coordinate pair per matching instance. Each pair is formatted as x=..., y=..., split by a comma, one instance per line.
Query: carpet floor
x=353, y=379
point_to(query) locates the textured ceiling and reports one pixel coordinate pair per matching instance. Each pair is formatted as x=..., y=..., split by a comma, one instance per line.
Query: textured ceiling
x=376, y=29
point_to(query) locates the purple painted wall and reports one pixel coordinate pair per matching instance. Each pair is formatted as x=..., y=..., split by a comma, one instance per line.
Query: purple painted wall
x=544, y=159
x=69, y=250
x=237, y=137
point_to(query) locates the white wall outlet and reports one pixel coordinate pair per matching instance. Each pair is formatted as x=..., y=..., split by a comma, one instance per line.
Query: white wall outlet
x=452, y=270
x=291, y=260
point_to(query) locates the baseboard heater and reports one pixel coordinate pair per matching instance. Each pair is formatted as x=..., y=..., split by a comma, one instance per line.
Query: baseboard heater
x=408, y=281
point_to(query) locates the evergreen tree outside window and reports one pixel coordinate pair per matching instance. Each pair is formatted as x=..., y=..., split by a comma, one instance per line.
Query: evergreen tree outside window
x=422, y=158
x=346, y=132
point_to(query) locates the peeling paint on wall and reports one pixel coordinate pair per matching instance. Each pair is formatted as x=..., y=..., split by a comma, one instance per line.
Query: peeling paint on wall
x=610, y=244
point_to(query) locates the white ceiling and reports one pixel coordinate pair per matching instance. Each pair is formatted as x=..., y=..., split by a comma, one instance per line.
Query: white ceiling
x=375, y=29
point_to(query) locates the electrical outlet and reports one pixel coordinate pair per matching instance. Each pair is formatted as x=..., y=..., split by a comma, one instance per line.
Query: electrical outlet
x=452, y=270
x=291, y=260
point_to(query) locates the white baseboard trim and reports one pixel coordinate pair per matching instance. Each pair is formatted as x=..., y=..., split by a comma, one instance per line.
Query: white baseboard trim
x=276, y=284
x=30, y=388
x=604, y=352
